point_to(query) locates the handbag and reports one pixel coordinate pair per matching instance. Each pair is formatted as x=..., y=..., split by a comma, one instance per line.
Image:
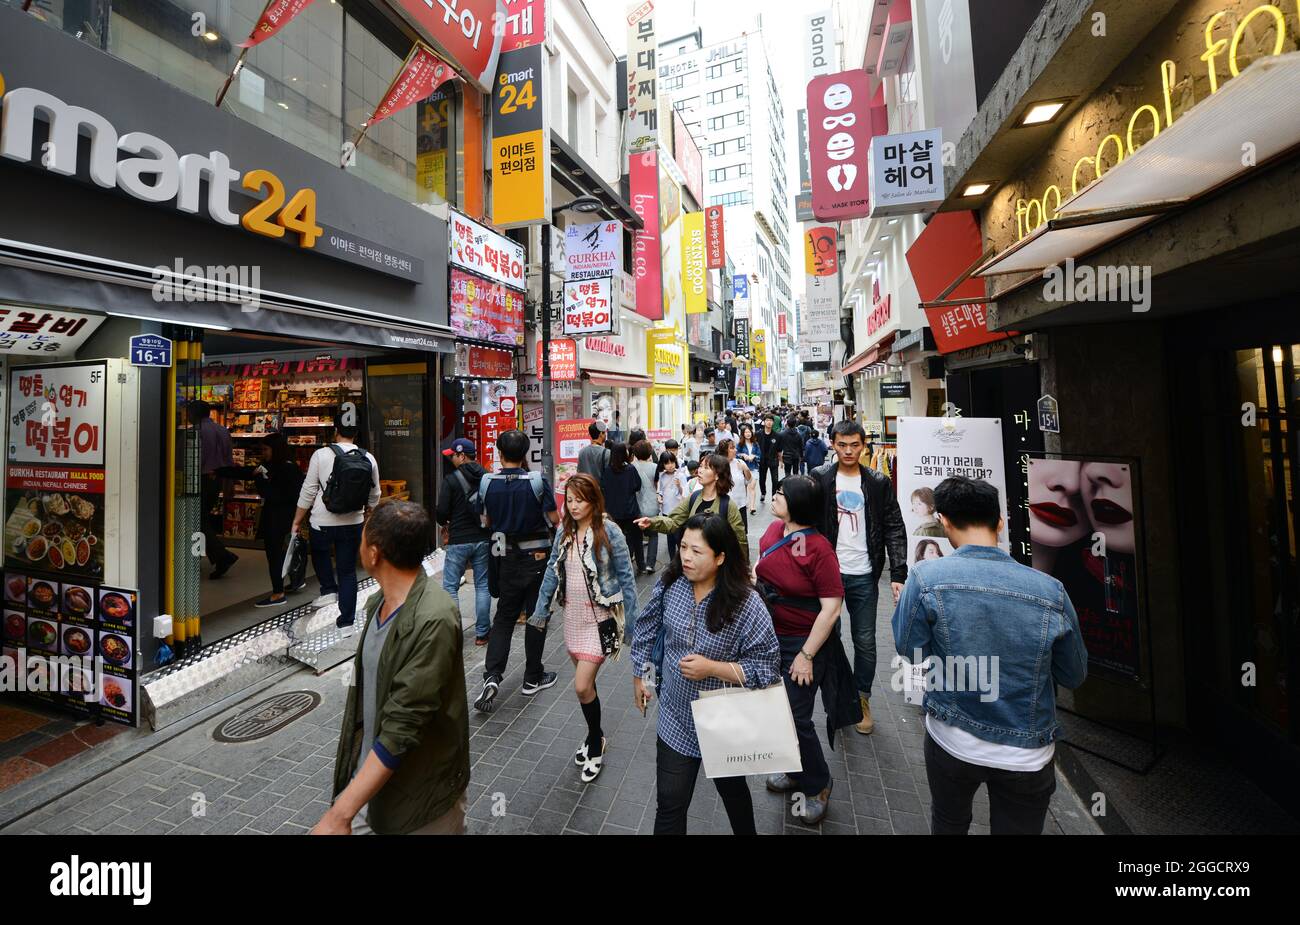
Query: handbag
x=294, y=569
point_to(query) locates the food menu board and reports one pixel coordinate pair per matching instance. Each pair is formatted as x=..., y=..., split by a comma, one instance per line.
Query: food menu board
x=72, y=644
x=56, y=520
x=484, y=310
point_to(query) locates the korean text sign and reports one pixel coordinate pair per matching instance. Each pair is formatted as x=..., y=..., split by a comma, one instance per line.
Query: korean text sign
x=484, y=310
x=51, y=333
x=589, y=306
x=642, y=79
x=521, y=153
x=56, y=414
x=483, y=251
x=906, y=172
x=715, y=240
x=468, y=31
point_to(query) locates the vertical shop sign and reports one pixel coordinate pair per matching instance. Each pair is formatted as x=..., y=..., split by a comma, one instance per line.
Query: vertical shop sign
x=820, y=251
x=740, y=295
x=642, y=79
x=688, y=157
x=589, y=306
x=525, y=23
x=564, y=358
x=758, y=342
x=840, y=127
x=742, y=337
x=906, y=175
x=521, y=150
x=646, y=258
x=715, y=238
x=693, y=261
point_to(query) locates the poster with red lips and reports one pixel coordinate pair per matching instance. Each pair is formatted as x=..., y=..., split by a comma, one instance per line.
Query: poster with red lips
x=1082, y=531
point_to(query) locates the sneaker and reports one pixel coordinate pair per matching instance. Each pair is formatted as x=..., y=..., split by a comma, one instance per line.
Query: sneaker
x=220, y=570
x=532, y=687
x=485, y=702
x=296, y=588
x=868, y=724
x=812, y=810
x=480, y=640
x=781, y=783
x=591, y=766
x=324, y=601
x=345, y=625
x=272, y=602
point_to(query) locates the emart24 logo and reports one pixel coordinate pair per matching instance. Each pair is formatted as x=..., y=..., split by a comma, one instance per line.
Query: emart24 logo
x=153, y=172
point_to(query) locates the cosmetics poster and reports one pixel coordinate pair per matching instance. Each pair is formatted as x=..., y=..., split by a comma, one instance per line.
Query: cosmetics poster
x=1082, y=531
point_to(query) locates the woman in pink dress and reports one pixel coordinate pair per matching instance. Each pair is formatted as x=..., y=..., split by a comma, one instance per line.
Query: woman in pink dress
x=590, y=575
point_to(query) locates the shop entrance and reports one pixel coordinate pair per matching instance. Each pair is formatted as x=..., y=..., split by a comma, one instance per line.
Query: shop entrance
x=278, y=400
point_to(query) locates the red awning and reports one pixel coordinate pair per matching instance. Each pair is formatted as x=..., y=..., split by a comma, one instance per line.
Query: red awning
x=948, y=247
x=615, y=380
x=872, y=354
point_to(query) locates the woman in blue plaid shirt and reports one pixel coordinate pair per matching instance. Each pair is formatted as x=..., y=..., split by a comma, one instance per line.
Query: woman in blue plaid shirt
x=716, y=631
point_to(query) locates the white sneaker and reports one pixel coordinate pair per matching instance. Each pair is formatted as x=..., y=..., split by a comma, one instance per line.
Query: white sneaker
x=323, y=601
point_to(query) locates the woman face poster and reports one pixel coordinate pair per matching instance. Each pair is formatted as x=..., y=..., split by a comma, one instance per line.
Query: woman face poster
x=1081, y=530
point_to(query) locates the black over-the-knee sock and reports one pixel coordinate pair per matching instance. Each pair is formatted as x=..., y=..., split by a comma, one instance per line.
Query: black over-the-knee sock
x=591, y=712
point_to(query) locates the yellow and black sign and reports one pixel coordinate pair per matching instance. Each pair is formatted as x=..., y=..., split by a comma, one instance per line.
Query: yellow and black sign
x=521, y=152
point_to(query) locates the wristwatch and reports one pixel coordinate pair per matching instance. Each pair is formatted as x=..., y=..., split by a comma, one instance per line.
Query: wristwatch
x=804, y=653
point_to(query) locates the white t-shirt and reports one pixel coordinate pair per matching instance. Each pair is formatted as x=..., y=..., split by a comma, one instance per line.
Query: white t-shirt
x=972, y=749
x=312, y=496
x=673, y=487
x=851, y=509
x=739, y=490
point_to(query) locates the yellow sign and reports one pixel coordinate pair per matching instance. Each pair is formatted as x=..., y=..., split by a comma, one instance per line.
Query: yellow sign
x=521, y=163
x=758, y=344
x=665, y=358
x=693, y=280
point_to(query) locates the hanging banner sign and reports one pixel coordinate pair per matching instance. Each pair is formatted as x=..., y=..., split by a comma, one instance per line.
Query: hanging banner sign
x=906, y=175
x=475, y=362
x=56, y=414
x=822, y=301
x=841, y=122
x=646, y=257
x=780, y=324
x=469, y=32
x=422, y=73
x=483, y=310
x=740, y=295
x=481, y=250
x=277, y=15
x=742, y=337
x=589, y=306
x=521, y=151
x=714, y=238
x=53, y=333
x=820, y=251
x=693, y=261
x=593, y=251
x=642, y=79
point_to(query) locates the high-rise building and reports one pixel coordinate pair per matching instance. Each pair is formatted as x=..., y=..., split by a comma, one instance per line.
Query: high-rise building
x=727, y=96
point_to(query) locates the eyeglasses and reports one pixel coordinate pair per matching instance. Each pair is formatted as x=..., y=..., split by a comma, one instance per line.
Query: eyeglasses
x=778, y=494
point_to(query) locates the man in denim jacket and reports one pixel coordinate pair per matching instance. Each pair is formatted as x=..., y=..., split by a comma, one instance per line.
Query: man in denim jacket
x=999, y=636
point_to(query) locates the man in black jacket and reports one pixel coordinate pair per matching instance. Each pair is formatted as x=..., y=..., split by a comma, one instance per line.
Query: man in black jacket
x=791, y=443
x=769, y=456
x=463, y=533
x=862, y=520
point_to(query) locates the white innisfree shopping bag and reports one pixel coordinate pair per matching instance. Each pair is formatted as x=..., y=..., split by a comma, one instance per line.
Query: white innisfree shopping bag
x=745, y=731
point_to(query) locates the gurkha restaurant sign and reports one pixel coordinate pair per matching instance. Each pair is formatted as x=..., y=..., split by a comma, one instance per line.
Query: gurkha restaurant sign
x=1199, y=47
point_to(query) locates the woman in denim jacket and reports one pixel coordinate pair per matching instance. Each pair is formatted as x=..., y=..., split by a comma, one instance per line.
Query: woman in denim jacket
x=590, y=575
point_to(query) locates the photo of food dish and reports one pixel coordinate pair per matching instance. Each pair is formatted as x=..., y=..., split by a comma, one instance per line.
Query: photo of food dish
x=77, y=600
x=43, y=595
x=76, y=641
x=116, y=607
x=116, y=693
x=16, y=589
x=56, y=530
x=15, y=625
x=114, y=648
x=41, y=634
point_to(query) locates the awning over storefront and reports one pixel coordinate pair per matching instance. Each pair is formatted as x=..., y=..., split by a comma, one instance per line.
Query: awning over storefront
x=872, y=354
x=1200, y=153
x=941, y=260
x=611, y=380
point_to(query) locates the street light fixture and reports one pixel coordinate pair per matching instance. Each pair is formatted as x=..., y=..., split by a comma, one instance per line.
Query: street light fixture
x=583, y=204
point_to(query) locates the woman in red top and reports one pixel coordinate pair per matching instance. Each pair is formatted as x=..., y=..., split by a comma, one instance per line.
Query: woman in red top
x=799, y=577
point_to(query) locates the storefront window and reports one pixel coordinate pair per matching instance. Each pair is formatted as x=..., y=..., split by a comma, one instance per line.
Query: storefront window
x=86, y=20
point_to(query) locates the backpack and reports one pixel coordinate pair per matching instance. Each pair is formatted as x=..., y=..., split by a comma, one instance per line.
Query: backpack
x=534, y=478
x=470, y=497
x=723, y=501
x=350, y=481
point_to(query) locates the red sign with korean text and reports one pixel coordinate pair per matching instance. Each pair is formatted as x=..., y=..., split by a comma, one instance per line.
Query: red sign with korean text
x=715, y=243
x=842, y=119
x=56, y=414
x=487, y=363
x=564, y=358
x=484, y=310
x=277, y=15
x=469, y=32
x=51, y=333
x=647, y=261
x=947, y=247
x=424, y=72
x=524, y=24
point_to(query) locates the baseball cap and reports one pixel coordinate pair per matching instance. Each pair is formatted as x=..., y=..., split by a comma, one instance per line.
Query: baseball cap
x=461, y=445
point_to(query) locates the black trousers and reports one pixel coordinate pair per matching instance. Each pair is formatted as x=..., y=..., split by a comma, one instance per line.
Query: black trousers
x=675, y=782
x=276, y=543
x=521, y=579
x=213, y=523
x=816, y=774
x=1018, y=800
x=791, y=464
x=765, y=467
x=635, y=542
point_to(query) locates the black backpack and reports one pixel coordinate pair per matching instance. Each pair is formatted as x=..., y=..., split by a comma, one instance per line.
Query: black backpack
x=350, y=482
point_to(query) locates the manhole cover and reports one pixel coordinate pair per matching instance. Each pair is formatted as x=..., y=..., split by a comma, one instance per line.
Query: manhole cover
x=267, y=717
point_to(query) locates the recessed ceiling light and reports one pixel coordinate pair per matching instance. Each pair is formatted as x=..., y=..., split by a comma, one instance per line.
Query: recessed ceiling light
x=211, y=36
x=1042, y=113
x=893, y=221
x=886, y=237
x=976, y=189
x=282, y=105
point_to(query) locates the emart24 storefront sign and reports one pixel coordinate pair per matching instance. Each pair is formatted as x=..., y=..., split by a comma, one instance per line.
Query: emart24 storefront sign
x=48, y=132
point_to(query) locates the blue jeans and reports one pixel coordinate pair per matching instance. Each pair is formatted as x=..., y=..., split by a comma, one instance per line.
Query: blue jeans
x=459, y=557
x=345, y=543
x=860, y=595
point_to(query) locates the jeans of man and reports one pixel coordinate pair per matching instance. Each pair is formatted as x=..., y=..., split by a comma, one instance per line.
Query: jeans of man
x=1018, y=800
x=345, y=543
x=521, y=579
x=675, y=777
x=860, y=595
x=816, y=774
x=651, y=548
x=459, y=557
x=765, y=467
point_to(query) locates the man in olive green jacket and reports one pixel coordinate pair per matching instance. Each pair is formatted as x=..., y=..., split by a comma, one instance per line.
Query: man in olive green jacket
x=411, y=777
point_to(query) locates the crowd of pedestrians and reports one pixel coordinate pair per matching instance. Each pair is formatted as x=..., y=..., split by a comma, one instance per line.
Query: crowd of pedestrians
x=716, y=616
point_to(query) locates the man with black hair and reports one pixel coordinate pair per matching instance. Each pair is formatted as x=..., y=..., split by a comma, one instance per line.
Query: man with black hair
x=594, y=457
x=519, y=514
x=862, y=520
x=769, y=453
x=337, y=493
x=710, y=444
x=1013, y=634
x=791, y=445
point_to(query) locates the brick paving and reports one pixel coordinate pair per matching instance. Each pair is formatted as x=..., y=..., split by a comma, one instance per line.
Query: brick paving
x=523, y=779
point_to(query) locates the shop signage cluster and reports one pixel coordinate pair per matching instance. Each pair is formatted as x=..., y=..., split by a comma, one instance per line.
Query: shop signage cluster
x=491, y=408
x=52, y=333
x=906, y=172
x=521, y=150
x=642, y=79
x=693, y=263
x=589, y=306
x=593, y=250
x=715, y=238
x=646, y=257
x=485, y=310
